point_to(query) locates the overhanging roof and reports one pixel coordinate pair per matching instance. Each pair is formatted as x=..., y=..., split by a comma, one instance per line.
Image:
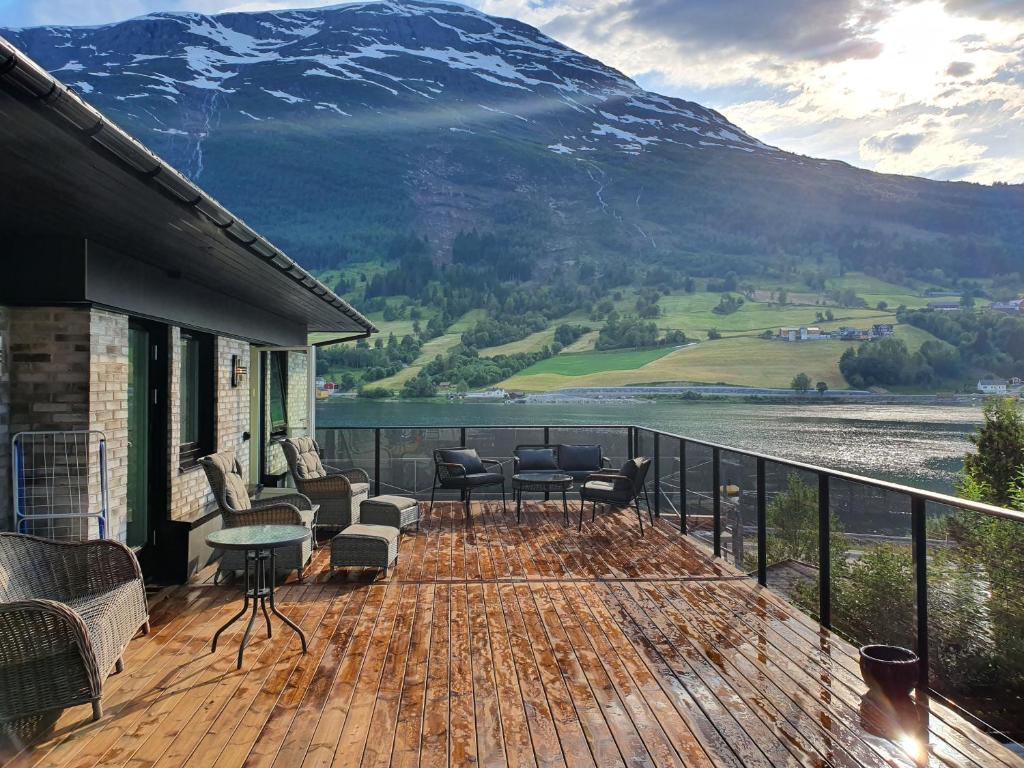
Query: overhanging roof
x=65, y=169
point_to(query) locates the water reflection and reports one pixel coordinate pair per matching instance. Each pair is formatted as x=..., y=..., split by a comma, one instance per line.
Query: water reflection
x=913, y=444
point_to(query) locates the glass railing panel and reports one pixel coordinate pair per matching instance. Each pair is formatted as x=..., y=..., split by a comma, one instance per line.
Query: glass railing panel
x=668, y=485
x=407, y=458
x=347, y=447
x=976, y=615
x=738, y=493
x=699, y=494
x=791, y=534
x=872, y=566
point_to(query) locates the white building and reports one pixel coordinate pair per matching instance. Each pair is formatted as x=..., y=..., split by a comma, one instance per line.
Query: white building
x=992, y=386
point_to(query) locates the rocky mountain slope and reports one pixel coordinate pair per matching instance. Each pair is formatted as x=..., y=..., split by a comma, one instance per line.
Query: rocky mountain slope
x=335, y=129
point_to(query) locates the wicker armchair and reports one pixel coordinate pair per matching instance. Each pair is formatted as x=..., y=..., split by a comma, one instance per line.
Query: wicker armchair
x=67, y=612
x=618, y=489
x=229, y=489
x=339, y=492
x=463, y=470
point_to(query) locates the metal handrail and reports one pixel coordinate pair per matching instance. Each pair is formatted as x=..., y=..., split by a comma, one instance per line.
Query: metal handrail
x=838, y=474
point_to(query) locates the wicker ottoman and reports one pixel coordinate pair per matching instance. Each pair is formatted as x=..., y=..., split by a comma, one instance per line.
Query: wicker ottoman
x=369, y=546
x=396, y=511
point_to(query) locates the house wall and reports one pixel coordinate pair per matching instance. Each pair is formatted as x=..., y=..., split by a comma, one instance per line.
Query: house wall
x=189, y=491
x=108, y=408
x=67, y=369
x=297, y=402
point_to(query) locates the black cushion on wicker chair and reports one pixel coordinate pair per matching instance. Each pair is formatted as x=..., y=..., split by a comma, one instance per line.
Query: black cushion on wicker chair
x=467, y=457
x=536, y=460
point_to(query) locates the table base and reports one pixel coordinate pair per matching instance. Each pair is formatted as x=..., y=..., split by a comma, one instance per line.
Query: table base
x=259, y=592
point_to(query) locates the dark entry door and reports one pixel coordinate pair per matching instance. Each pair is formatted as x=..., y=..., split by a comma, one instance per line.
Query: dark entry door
x=147, y=444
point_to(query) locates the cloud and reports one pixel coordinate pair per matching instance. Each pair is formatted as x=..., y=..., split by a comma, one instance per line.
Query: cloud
x=959, y=68
x=897, y=143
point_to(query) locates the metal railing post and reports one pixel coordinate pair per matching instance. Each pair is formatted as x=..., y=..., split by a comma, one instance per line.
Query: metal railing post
x=657, y=475
x=547, y=441
x=631, y=439
x=682, y=486
x=716, y=500
x=376, y=461
x=920, y=544
x=824, y=554
x=762, y=526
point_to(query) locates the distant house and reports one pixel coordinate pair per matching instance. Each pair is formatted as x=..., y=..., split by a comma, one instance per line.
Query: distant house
x=992, y=386
x=944, y=306
x=803, y=333
x=882, y=329
x=1012, y=307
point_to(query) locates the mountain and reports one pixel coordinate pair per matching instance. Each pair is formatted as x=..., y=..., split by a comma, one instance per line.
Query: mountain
x=336, y=130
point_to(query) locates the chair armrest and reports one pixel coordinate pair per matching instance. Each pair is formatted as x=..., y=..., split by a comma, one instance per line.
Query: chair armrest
x=456, y=470
x=327, y=487
x=605, y=462
x=493, y=462
x=33, y=629
x=298, y=500
x=277, y=514
x=609, y=477
x=353, y=474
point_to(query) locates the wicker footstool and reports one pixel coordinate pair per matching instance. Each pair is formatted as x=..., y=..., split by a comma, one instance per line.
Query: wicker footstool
x=370, y=546
x=396, y=511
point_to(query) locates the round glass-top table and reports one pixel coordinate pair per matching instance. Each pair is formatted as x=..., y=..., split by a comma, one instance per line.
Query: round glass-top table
x=541, y=481
x=259, y=543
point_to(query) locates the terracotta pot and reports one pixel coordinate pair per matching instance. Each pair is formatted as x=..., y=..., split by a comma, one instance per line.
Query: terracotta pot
x=889, y=669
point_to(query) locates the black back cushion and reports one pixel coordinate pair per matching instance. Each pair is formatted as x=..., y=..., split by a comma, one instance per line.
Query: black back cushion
x=579, y=457
x=537, y=459
x=467, y=457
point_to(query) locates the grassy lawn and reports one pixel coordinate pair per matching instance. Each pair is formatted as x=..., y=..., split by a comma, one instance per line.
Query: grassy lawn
x=914, y=337
x=743, y=361
x=589, y=363
x=531, y=343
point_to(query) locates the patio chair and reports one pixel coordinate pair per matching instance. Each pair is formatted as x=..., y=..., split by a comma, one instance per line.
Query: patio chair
x=577, y=461
x=618, y=489
x=339, y=492
x=237, y=508
x=463, y=470
x=67, y=612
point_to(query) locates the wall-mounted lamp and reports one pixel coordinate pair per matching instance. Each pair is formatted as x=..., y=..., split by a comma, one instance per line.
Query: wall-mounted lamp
x=238, y=371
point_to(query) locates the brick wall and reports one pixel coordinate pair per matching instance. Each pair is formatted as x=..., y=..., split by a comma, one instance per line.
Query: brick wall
x=5, y=421
x=297, y=402
x=108, y=408
x=49, y=391
x=189, y=491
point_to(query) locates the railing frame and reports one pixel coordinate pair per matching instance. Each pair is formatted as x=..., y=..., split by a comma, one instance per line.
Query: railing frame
x=919, y=499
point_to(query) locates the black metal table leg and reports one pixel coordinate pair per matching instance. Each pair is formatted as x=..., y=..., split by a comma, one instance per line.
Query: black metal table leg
x=241, y=613
x=519, y=505
x=565, y=507
x=276, y=612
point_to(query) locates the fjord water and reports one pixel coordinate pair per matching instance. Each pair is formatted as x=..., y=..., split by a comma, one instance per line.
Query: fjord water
x=919, y=445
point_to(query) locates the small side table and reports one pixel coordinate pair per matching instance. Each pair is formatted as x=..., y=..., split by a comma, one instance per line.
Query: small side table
x=541, y=481
x=259, y=543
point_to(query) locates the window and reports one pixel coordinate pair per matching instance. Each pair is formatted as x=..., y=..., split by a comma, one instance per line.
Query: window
x=196, y=398
x=278, y=393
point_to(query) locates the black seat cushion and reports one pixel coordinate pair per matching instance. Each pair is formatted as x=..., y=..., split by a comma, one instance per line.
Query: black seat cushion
x=467, y=457
x=471, y=481
x=537, y=459
x=579, y=457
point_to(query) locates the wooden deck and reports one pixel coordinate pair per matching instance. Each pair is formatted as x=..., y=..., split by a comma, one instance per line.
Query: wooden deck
x=496, y=644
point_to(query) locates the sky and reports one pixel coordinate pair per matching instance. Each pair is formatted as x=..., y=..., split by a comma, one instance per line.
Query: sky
x=924, y=87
